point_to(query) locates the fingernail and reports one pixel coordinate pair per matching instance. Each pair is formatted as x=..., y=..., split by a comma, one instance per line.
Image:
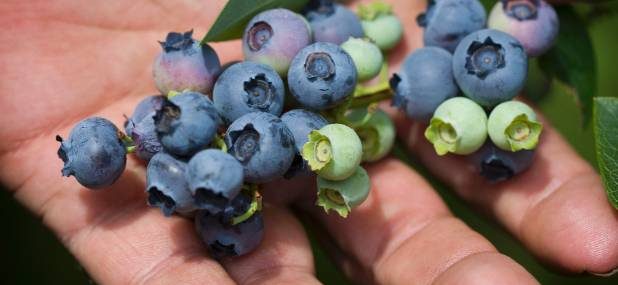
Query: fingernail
x=608, y=274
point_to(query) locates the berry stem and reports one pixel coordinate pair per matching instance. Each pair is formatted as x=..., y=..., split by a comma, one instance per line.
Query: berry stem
x=371, y=99
x=255, y=206
x=127, y=141
x=219, y=143
x=383, y=84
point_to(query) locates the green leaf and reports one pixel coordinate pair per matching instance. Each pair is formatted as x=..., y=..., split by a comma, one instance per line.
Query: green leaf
x=237, y=13
x=488, y=4
x=606, y=136
x=572, y=60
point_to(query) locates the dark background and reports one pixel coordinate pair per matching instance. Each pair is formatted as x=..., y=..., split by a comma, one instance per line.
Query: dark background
x=30, y=254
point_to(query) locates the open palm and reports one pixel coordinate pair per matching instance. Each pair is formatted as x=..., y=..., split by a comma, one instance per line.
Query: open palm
x=66, y=60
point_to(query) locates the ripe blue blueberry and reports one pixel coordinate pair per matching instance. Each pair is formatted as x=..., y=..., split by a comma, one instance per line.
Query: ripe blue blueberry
x=225, y=240
x=93, y=153
x=424, y=82
x=447, y=22
x=263, y=145
x=186, y=123
x=321, y=76
x=274, y=37
x=497, y=165
x=533, y=22
x=301, y=122
x=167, y=186
x=490, y=67
x=144, y=109
x=185, y=64
x=248, y=87
x=332, y=23
x=141, y=128
x=215, y=178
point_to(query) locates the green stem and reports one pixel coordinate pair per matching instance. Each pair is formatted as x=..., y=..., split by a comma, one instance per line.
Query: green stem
x=255, y=206
x=219, y=143
x=127, y=141
x=370, y=99
x=383, y=84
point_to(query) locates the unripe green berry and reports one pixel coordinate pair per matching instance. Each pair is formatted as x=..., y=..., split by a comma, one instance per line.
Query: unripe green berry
x=513, y=126
x=459, y=126
x=367, y=57
x=380, y=25
x=377, y=136
x=343, y=195
x=334, y=151
x=384, y=31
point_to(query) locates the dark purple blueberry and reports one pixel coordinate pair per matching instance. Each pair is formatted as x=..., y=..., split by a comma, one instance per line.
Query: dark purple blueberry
x=497, y=165
x=141, y=128
x=144, y=109
x=224, y=240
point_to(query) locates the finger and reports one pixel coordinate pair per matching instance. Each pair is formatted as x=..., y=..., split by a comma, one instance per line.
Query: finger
x=119, y=240
x=557, y=208
x=283, y=257
x=404, y=231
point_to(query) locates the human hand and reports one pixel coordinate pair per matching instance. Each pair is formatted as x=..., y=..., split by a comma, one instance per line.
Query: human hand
x=65, y=64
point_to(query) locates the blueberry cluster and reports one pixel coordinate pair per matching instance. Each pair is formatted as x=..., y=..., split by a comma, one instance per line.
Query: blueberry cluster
x=216, y=133
x=489, y=68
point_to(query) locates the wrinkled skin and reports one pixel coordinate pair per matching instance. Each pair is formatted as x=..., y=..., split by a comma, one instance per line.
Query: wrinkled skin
x=557, y=208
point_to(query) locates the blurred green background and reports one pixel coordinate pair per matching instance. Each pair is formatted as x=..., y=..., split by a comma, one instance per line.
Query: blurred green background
x=32, y=255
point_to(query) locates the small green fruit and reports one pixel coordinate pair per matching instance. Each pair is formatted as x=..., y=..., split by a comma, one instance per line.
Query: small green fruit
x=513, y=126
x=367, y=57
x=377, y=136
x=334, y=151
x=459, y=126
x=380, y=25
x=344, y=195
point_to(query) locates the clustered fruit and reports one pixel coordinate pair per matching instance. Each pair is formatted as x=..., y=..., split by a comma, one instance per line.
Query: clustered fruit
x=302, y=104
x=216, y=133
x=488, y=65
